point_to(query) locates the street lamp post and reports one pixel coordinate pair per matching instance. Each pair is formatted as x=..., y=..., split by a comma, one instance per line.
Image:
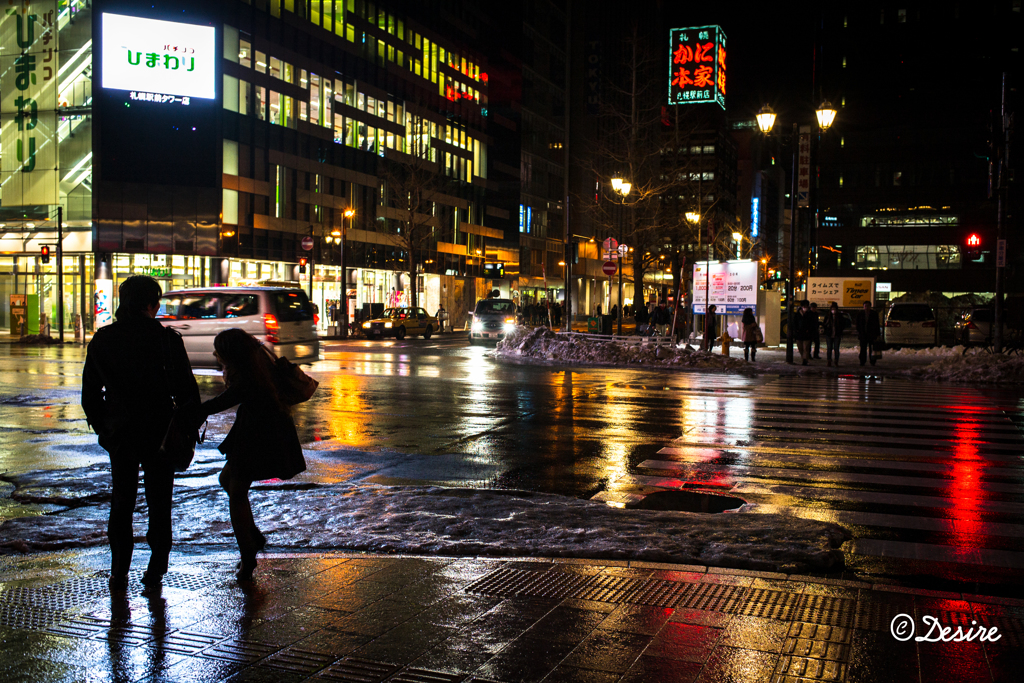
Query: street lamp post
x=622, y=187
x=826, y=116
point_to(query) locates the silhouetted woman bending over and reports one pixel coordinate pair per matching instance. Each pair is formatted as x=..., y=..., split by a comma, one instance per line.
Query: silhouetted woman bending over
x=262, y=444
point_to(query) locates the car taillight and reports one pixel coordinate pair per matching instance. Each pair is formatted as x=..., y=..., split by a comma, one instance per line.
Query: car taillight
x=929, y=323
x=272, y=327
x=971, y=326
x=892, y=323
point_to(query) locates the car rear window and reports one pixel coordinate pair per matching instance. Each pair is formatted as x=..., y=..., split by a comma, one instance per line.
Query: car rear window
x=982, y=315
x=911, y=313
x=495, y=307
x=292, y=306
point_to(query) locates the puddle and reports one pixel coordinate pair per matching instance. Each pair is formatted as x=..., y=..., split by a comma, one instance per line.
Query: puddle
x=688, y=501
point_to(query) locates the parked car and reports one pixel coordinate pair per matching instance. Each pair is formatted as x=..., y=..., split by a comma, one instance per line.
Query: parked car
x=281, y=318
x=492, y=319
x=910, y=324
x=399, y=322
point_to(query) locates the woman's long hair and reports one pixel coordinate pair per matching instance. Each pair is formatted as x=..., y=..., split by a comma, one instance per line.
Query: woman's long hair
x=748, y=317
x=246, y=361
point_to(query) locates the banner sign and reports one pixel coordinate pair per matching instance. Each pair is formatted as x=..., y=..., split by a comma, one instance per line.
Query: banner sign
x=733, y=286
x=696, y=65
x=847, y=292
x=28, y=104
x=803, y=176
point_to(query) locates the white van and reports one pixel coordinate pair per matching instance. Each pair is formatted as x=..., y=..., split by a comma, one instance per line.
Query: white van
x=281, y=318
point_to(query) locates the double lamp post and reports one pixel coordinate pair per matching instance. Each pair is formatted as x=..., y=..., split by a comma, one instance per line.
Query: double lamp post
x=340, y=236
x=826, y=116
x=622, y=188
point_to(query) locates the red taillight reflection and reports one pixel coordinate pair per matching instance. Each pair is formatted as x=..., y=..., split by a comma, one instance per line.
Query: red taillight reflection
x=971, y=326
x=892, y=323
x=272, y=327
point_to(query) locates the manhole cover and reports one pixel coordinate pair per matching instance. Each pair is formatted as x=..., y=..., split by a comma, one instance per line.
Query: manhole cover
x=688, y=501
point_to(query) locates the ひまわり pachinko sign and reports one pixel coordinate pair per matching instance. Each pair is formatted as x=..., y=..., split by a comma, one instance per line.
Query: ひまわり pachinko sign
x=28, y=103
x=153, y=56
x=696, y=65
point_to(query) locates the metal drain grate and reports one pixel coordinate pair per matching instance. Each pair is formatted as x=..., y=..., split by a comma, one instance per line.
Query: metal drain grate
x=715, y=597
x=357, y=671
x=823, y=609
x=508, y=582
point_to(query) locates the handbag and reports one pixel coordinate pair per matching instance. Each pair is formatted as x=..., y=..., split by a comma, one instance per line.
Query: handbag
x=758, y=335
x=293, y=385
x=179, y=443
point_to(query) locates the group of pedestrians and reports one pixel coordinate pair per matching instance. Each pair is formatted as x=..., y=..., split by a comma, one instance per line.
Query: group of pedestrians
x=808, y=329
x=137, y=377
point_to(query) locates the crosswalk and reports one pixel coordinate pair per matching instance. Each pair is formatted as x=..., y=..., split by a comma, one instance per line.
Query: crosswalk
x=918, y=472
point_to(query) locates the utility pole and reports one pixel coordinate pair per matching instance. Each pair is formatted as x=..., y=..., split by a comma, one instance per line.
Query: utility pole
x=568, y=248
x=792, y=251
x=312, y=268
x=1002, y=159
x=60, y=272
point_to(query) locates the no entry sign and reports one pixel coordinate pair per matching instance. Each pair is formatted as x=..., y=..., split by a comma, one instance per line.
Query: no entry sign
x=307, y=243
x=610, y=268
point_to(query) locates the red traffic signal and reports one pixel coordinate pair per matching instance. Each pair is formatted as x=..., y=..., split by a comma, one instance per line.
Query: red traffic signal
x=44, y=253
x=302, y=264
x=974, y=240
x=972, y=249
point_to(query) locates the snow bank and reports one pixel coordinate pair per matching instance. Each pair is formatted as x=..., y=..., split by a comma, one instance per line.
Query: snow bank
x=475, y=522
x=940, y=351
x=543, y=344
x=988, y=368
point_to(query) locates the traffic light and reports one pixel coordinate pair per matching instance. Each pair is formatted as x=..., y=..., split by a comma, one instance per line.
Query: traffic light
x=302, y=264
x=972, y=248
x=44, y=254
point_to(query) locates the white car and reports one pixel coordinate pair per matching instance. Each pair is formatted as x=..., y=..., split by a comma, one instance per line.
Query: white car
x=279, y=317
x=910, y=324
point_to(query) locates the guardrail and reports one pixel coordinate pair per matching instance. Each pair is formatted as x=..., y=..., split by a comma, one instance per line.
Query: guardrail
x=625, y=340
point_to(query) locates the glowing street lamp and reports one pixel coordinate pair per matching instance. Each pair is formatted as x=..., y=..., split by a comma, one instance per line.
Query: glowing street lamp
x=826, y=115
x=766, y=119
x=692, y=216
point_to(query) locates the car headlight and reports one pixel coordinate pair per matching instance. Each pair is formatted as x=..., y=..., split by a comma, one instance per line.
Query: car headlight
x=509, y=327
x=366, y=326
x=387, y=325
x=477, y=326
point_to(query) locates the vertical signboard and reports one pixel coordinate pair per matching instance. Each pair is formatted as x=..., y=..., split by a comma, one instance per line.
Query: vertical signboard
x=104, y=305
x=803, y=176
x=733, y=286
x=28, y=103
x=696, y=65
x=755, y=217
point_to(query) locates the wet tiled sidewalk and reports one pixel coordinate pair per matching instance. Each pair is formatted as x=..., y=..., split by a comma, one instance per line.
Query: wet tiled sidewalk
x=349, y=617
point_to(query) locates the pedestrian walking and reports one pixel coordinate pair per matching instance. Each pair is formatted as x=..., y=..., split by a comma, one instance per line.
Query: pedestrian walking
x=615, y=311
x=599, y=310
x=442, y=319
x=642, y=318
x=816, y=334
x=661, y=319
x=136, y=371
x=834, y=324
x=804, y=321
x=750, y=334
x=262, y=443
x=868, y=332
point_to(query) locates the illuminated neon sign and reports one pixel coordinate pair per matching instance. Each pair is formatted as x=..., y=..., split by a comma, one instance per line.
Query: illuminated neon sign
x=697, y=65
x=755, y=217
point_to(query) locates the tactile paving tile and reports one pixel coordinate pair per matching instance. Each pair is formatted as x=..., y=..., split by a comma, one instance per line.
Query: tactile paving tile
x=354, y=670
x=824, y=609
x=425, y=676
x=130, y=634
x=511, y=582
x=505, y=581
x=241, y=651
x=57, y=596
x=27, y=617
x=799, y=669
x=296, y=660
x=184, y=581
x=873, y=615
x=1011, y=629
x=715, y=597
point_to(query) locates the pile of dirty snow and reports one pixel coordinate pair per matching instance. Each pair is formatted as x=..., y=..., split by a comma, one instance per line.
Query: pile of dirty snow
x=939, y=351
x=542, y=344
x=987, y=368
x=475, y=522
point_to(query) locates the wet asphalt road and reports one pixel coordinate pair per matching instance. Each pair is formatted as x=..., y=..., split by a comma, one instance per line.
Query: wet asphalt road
x=928, y=478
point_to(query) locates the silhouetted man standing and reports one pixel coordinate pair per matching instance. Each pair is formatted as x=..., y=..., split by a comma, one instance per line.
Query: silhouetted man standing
x=132, y=370
x=868, y=332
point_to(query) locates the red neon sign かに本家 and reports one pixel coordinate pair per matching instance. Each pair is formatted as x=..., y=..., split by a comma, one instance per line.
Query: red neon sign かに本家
x=697, y=65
